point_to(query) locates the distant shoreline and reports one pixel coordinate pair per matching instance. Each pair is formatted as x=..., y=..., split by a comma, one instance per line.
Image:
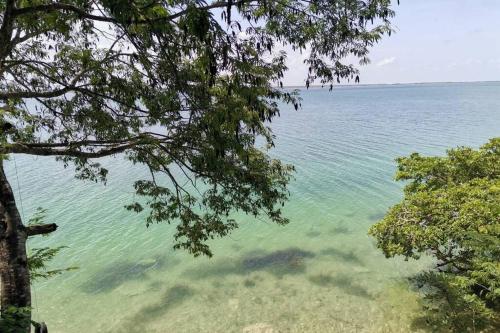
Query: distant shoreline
x=388, y=84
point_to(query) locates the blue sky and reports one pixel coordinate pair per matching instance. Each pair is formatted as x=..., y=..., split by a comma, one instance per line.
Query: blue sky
x=436, y=41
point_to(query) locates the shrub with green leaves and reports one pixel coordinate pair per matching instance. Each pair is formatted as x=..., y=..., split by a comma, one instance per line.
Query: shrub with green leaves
x=451, y=211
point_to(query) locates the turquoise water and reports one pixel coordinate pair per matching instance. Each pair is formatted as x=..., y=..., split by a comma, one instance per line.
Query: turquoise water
x=320, y=273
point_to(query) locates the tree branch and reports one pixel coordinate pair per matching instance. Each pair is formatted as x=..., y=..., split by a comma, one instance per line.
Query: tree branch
x=6, y=30
x=40, y=229
x=61, y=6
x=35, y=94
x=17, y=148
x=218, y=4
x=83, y=14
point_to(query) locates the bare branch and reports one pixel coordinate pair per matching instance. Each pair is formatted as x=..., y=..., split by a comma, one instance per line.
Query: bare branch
x=40, y=229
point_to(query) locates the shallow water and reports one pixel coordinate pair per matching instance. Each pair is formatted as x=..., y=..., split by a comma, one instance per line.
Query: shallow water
x=320, y=273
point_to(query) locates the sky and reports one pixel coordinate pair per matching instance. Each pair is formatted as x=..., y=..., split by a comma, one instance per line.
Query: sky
x=435, y=41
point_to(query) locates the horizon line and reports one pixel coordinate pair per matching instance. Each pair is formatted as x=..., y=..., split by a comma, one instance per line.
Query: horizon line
x=388, y=84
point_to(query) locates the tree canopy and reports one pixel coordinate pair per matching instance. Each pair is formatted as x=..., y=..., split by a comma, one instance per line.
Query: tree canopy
x=451, y=211
x=171, y=84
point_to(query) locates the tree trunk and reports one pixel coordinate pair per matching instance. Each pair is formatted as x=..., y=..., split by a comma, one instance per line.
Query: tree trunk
x=14, y=273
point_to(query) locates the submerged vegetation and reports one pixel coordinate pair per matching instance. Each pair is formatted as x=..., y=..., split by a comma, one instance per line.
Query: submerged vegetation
x=451, y=212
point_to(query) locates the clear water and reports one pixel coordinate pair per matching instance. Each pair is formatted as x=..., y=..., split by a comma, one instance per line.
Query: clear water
x=320, y=273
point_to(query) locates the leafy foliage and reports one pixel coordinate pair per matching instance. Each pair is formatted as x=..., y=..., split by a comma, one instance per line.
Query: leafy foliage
x=39, y=257
x=15, y=320
x=37, y=263
x=182, y=87
x=451, y=211
x=38, y=217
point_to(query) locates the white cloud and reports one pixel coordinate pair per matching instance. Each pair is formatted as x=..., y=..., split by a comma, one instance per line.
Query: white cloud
x=386, y=61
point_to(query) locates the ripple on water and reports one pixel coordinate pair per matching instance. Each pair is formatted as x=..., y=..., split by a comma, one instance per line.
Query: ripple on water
x=320, y=273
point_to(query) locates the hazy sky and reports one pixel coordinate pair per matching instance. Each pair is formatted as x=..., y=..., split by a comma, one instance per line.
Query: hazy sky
x=436, y=40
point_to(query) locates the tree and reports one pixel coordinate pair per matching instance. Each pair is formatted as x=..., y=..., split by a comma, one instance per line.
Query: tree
x=451, y=211
x=182, y=87
x=15, y=319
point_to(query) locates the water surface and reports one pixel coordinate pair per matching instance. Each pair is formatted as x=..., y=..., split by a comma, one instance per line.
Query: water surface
x=320, y=273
